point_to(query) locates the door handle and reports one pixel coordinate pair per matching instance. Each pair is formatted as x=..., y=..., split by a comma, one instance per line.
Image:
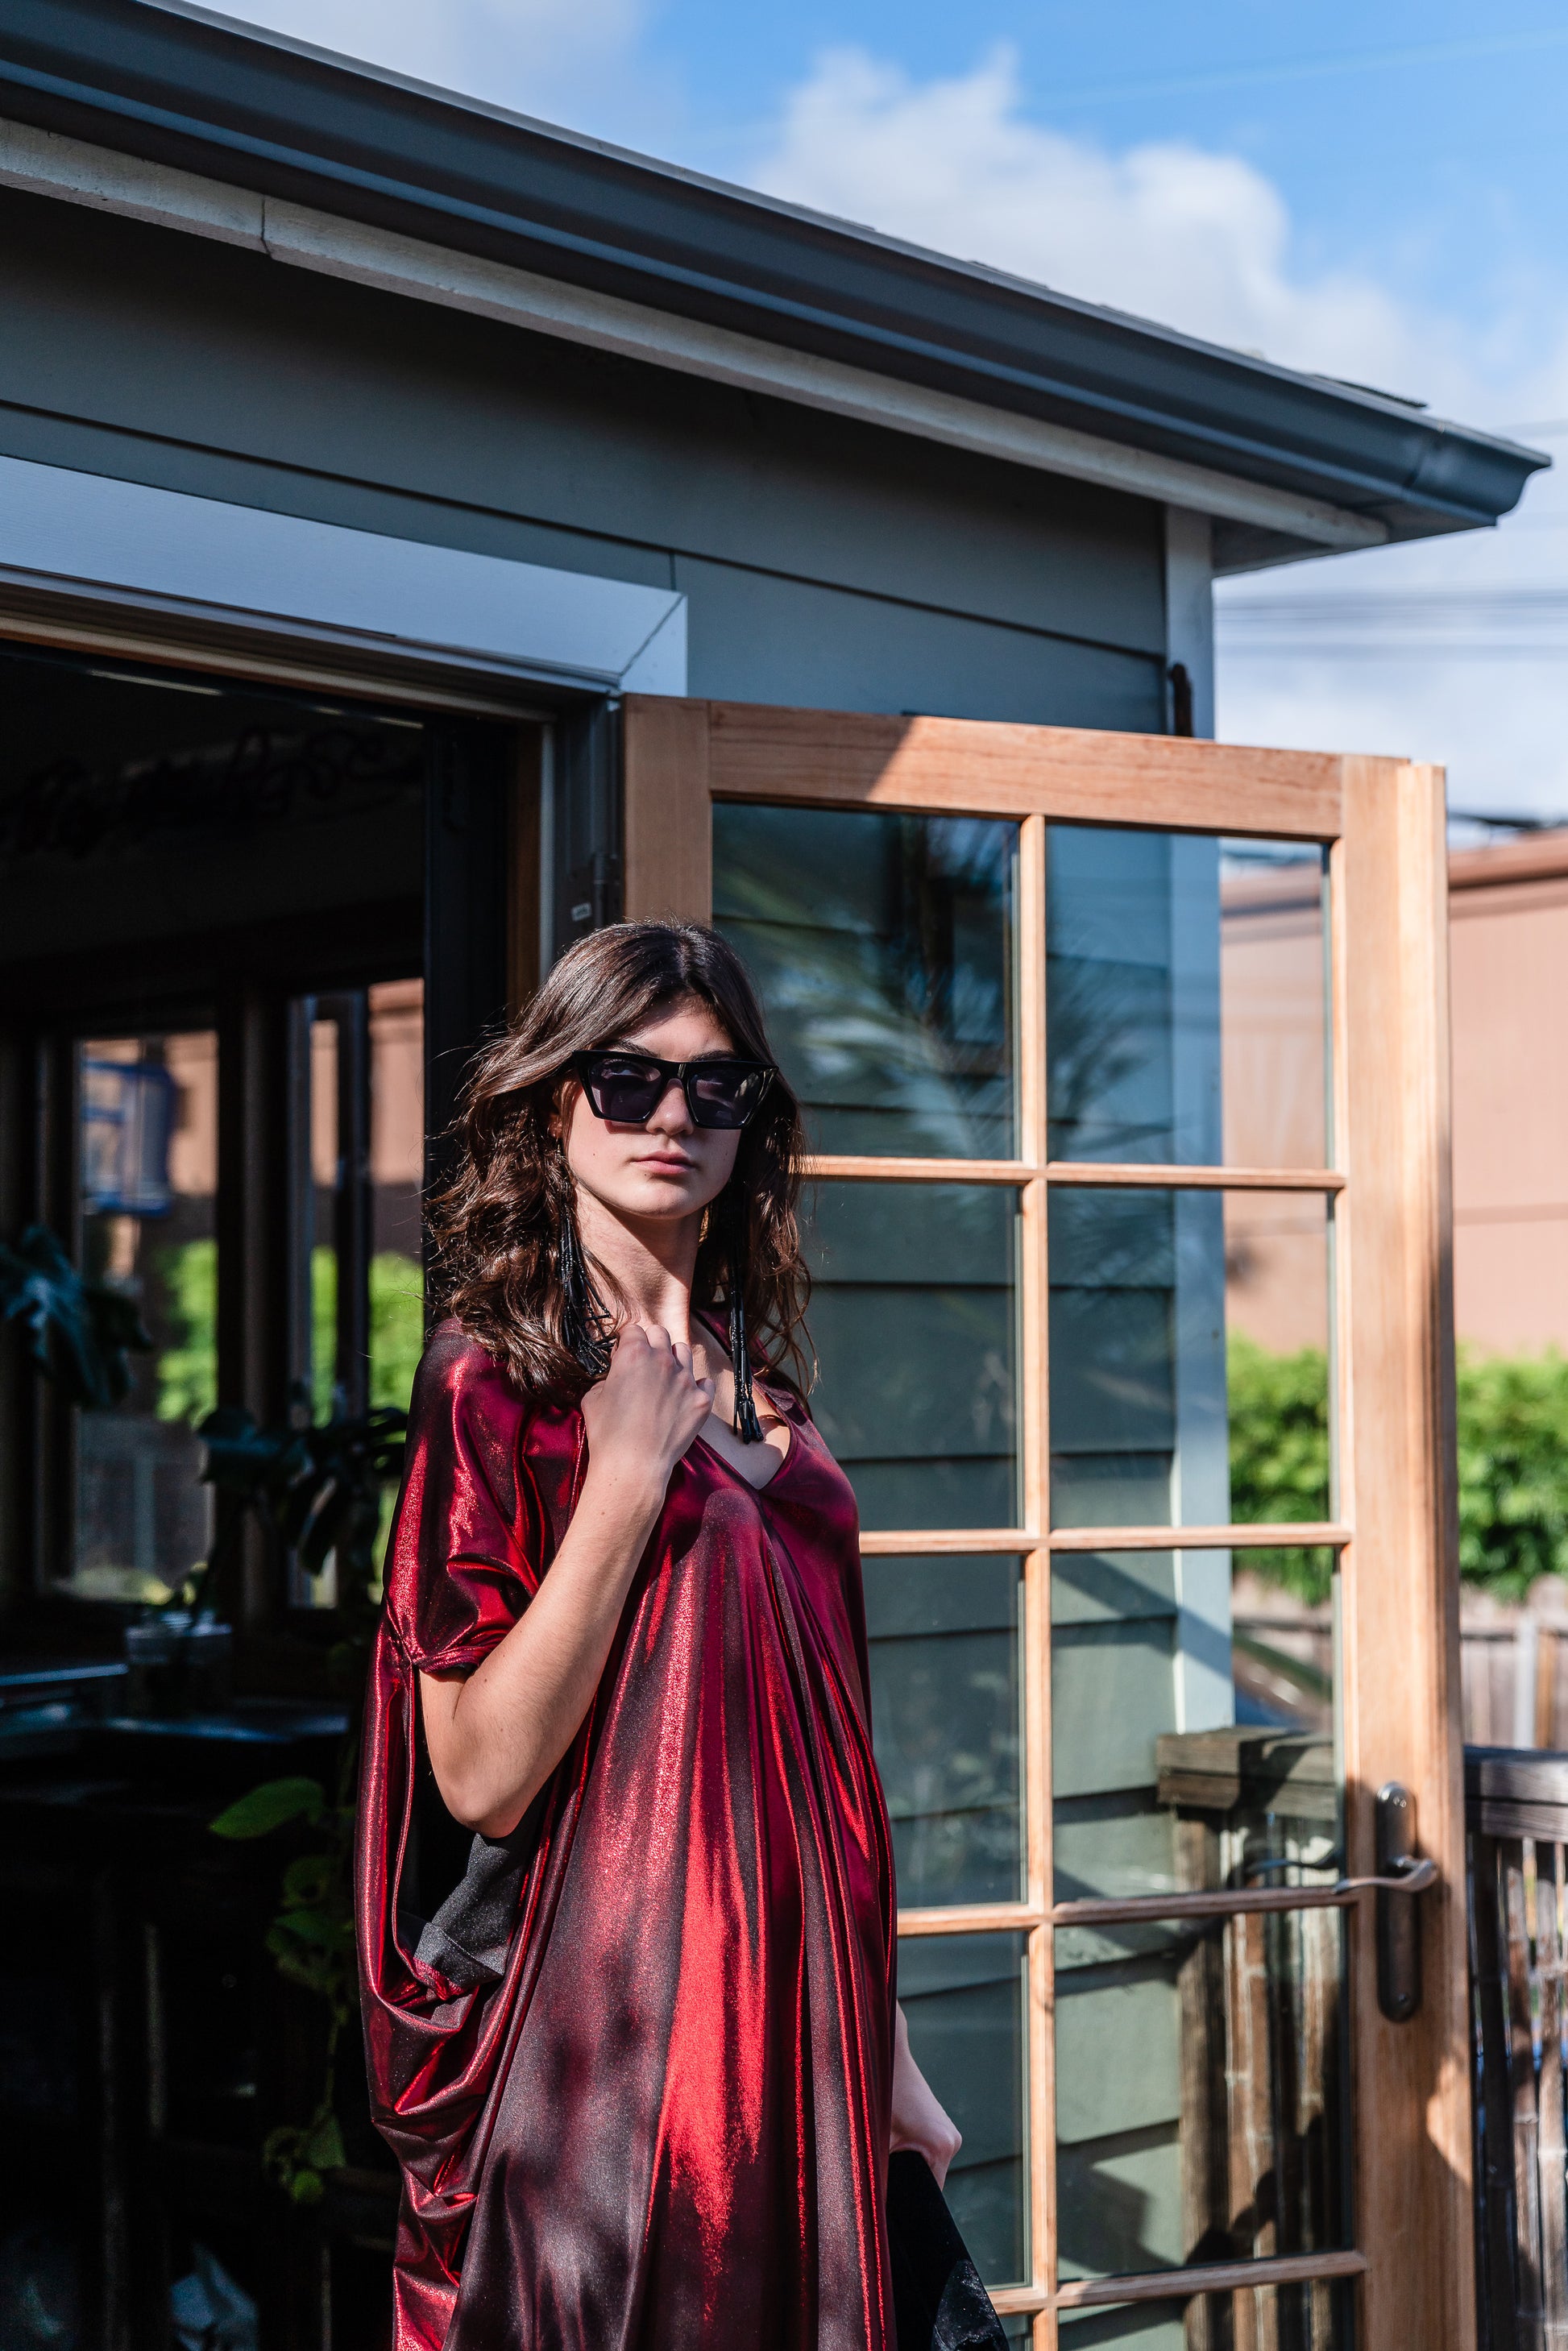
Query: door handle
x=1401, y=1874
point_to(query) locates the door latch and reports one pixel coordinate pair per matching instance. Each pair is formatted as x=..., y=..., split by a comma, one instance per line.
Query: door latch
x=1398, y=1924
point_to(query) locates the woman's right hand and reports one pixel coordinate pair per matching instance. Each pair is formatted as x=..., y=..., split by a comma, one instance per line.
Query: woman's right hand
x=645, y=1411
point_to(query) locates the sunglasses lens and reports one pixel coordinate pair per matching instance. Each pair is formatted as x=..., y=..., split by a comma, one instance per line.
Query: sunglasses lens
x=721, y=1096
x=624, y=1090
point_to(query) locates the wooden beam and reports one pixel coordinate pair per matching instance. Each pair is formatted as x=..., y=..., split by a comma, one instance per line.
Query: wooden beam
x=1196, y=1179
x=668, y=816
x=943, y=1543
x=1315, y=1535
x=863, y=1167
x=1074, y=775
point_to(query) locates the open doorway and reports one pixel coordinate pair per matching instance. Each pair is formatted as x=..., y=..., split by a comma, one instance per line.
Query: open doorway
x=224, y=933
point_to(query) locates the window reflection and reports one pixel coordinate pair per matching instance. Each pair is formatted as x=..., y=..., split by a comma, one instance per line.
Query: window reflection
x=944, y=1636
x=149, y=1160
x=913, y=1320
x=1314, y=2317
x=1186, y=1003
x=1189, y=1352
x=964, y=1998
x=1199, y=2089
x=882, y=948
x=1148, y=1648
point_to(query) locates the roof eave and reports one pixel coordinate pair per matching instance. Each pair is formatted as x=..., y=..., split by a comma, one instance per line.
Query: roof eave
x=179, y=86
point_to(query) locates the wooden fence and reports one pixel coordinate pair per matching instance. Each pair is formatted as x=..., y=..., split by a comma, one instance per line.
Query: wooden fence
x=1514, y=1667
x=1516, y=1805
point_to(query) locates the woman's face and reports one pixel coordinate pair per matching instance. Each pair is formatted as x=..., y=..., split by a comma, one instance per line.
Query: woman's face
x=667, y=1167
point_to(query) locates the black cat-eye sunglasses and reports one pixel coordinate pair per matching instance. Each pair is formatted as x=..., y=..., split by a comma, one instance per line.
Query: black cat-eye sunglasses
x=627, y=1087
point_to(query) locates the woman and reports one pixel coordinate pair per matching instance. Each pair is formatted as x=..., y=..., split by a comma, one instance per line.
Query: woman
x=644, y=2068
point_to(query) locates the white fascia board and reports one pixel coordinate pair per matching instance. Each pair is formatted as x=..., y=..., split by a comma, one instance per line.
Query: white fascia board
x=70, y=169
x=73, y=532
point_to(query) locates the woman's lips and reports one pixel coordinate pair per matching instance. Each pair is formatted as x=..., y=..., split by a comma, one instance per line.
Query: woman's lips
x=662, y=1166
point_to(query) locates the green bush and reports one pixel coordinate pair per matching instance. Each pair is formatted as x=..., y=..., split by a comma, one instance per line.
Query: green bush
x=1513, y=1462
x=1279, y=1454
x=397, y=1327
x=187, y=1372
x=1513, y=1470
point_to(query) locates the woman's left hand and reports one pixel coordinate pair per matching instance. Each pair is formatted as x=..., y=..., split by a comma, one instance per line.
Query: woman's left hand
x=919, y=2119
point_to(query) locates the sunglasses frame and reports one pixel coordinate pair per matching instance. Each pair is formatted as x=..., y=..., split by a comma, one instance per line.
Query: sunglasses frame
x=681, y=1073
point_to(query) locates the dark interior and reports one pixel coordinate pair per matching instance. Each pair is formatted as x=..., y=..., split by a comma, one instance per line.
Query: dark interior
x=248, y=939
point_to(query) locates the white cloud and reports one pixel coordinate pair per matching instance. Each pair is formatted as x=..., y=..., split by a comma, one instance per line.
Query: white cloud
x=1203, y=242
x=1200, y=241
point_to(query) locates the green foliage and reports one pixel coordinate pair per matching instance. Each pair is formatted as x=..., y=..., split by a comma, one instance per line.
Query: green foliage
x=1513, y=1470
x=319, y=1484
x=311, y=1939
x=80, y=1331
x=397, y=1327
x=1279, y=1454
x=1513, y=1462
x=323, y=1329
x=188, y=1374
x=269, y=1806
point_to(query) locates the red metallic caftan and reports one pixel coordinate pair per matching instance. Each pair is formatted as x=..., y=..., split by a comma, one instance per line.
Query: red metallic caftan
x=651, y=2114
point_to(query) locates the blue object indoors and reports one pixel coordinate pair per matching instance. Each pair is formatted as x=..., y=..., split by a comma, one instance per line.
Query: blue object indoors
x=127, y=1120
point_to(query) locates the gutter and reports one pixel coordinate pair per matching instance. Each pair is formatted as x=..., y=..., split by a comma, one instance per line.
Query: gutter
x=178, y=86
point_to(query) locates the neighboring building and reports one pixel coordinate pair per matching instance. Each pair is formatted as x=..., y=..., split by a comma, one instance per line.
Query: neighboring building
x=1509, y=944
x=425, y=535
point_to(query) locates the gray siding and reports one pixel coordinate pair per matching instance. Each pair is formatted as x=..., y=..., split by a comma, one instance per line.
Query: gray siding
x=826, y=563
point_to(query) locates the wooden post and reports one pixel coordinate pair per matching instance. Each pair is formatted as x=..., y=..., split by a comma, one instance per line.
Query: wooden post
x=1551, y=2146
x=1402, y=1720
x=1522, y=2104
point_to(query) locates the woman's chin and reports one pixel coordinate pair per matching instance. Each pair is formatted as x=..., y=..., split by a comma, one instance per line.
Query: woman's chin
x=662, y=1199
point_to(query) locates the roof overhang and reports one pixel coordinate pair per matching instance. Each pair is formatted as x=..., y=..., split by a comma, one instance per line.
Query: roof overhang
x=225, y=129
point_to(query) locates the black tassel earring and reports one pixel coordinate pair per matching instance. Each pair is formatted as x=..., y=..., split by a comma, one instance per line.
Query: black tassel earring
x=746, y=1426
x=582, y=1319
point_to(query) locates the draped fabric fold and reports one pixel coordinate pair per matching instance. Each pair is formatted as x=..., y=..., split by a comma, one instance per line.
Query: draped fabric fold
x=637, y=2067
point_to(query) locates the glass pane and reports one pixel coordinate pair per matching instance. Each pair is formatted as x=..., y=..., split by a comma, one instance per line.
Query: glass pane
x=1189, y=1357
x=914, y=1318
x=1311, y=2317
x=324, y=1176
x=944, y=1638
x=149, y=1158
x=1152, y=1651
x=884, y=947
x=397, y=1173
x=1199, y=2069
x=964, y=1998
x=1185, y=999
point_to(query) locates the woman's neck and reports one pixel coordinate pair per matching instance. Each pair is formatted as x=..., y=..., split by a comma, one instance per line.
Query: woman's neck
x=650, y=1262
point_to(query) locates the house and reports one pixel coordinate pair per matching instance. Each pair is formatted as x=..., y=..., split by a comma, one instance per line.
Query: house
x=426, y=535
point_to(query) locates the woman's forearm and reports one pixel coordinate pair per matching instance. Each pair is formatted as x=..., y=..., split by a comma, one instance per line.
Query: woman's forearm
x=495, y=1738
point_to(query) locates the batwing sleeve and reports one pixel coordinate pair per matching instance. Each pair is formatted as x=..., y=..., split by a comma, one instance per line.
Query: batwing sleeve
x=468, y=1544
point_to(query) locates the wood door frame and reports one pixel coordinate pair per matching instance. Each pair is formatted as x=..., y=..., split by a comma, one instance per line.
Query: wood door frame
x=1395, y=1522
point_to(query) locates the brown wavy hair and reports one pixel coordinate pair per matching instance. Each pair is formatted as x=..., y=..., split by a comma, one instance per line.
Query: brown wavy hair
x=496, y=1225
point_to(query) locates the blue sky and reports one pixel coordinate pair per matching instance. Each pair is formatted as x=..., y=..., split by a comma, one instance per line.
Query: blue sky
x=1375, y=191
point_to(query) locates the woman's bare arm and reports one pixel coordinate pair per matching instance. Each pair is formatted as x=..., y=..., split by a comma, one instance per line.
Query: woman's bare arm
x=919, y=2118
x=496, y=1735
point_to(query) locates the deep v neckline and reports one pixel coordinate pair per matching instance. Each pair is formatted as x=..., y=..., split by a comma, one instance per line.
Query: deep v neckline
x=782, y=1459
x=739, y=1475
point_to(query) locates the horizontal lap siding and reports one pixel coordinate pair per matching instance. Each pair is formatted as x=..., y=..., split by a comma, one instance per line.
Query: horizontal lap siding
x=826, y=562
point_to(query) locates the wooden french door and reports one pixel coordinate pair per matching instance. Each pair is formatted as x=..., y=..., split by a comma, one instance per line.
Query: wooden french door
x=1126, y=1063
